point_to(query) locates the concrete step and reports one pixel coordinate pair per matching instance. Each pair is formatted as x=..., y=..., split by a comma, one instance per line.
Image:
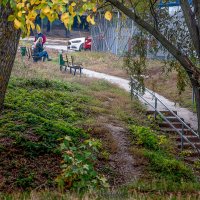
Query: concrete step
x=174, y=119
x=191, y=159
x=164, y=112
x=191, y=138
x=194, y=154
x=175, y=124
x=187, y=145
x=172, y=131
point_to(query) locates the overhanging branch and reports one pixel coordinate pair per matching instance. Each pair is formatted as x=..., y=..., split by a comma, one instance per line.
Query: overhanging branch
x=192, y=25
x=183, y=59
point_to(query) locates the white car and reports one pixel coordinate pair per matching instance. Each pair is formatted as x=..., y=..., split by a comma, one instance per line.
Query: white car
x=76, y=44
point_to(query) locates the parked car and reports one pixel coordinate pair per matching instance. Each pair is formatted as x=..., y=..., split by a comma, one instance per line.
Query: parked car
x=88, y=43
x=78, y=44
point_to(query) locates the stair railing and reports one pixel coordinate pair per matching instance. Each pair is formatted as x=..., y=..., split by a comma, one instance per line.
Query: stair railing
x=134, y=92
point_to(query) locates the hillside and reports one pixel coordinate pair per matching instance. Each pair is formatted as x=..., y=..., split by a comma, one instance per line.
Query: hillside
x=62, y=134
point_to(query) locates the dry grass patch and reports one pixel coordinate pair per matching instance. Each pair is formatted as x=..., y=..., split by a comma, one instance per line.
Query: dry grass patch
x=166, y=85
x=101, y=62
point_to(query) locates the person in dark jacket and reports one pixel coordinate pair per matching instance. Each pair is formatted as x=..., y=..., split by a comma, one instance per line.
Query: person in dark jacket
x=39, y=50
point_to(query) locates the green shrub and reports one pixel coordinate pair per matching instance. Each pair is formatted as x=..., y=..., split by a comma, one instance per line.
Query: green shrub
x=157, y=149
x=147, y=138
x=78, y=166
x=38, y=114
x=168, y=166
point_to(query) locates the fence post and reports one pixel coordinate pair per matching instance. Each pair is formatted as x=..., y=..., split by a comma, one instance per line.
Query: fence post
x=193, y=97
x=131, y=88
x=156, y=102
x=182, y=141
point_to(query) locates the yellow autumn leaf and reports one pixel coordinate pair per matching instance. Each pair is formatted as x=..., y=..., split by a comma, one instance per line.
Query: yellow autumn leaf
x=88, y=18
x=94, y=9
x=65, y=17
x=17, y=24
x=32, y=2
x=32, y=25
x=50, y=17
x=19, y=14
x=108, y=15
x=28, y=30
x=20, y=5
x=92, y=21
x=46, y=10
x=71, y=9
x=31, y=15
x=38, y=28
x=73, y=4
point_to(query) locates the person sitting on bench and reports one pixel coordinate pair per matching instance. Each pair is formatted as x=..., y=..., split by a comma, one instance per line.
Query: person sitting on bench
x=39, y=50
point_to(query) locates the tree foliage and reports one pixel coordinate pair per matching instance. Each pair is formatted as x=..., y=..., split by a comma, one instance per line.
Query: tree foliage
x=25, y=12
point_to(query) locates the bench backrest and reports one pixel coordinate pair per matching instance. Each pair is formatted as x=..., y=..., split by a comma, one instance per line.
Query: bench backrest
x=69, y=60
x=61, y=60
x=29, y=52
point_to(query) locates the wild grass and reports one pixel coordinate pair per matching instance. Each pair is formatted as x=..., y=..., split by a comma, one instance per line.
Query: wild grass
x=172, y=175
x=156, y=79
x=127, y=194
x=43, y=105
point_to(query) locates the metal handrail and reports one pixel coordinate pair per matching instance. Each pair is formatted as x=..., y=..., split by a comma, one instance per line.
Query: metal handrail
x=177, y=117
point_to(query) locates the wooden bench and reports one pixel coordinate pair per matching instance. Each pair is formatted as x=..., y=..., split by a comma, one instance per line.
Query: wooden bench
x=69, y=63
x=29, y=53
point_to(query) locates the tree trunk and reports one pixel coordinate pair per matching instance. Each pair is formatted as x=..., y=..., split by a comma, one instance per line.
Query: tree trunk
x=196, y=88
x=197, y=98
x=9, y=39
x=192, y=70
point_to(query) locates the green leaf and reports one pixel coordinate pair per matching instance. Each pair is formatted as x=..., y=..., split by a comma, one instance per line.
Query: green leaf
x=11, y=18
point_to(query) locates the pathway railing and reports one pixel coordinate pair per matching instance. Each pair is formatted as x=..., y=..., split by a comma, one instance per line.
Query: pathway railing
x=157, y=101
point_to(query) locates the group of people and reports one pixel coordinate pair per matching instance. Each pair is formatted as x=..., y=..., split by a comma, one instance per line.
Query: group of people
x=38, y=49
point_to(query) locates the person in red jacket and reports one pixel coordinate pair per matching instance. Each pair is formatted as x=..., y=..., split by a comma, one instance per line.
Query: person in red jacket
x=38, y=35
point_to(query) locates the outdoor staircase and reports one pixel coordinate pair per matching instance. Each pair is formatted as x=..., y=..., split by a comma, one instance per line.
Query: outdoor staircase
x=186, y=139
x=184, y=147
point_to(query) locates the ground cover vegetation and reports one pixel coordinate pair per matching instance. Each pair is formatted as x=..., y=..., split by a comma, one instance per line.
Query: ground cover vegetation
x=53, y=136
x=18, y=17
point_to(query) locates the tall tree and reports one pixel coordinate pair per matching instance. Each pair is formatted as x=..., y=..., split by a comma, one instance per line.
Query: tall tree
x=17, y=18
x=146, y=15
x=9, y=38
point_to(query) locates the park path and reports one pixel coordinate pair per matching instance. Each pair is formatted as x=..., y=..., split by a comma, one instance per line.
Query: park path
x=188, y=116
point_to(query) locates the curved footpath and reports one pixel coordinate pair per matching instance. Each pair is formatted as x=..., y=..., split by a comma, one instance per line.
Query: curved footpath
x=188, y=116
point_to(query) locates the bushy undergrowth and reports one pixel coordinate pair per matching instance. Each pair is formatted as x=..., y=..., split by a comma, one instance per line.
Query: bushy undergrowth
x=37, y=117
x=78, y=166
x=156, y=148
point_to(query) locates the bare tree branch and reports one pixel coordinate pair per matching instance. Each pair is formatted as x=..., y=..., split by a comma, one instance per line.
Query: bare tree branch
x=196, y=4
x=183, y=59
x=191, y=24
x=153, y=13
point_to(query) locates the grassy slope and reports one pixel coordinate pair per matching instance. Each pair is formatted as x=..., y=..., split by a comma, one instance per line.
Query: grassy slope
x=39, y=112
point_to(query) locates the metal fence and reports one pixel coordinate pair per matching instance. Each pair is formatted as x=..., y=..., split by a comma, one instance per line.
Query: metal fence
x=115, y=36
